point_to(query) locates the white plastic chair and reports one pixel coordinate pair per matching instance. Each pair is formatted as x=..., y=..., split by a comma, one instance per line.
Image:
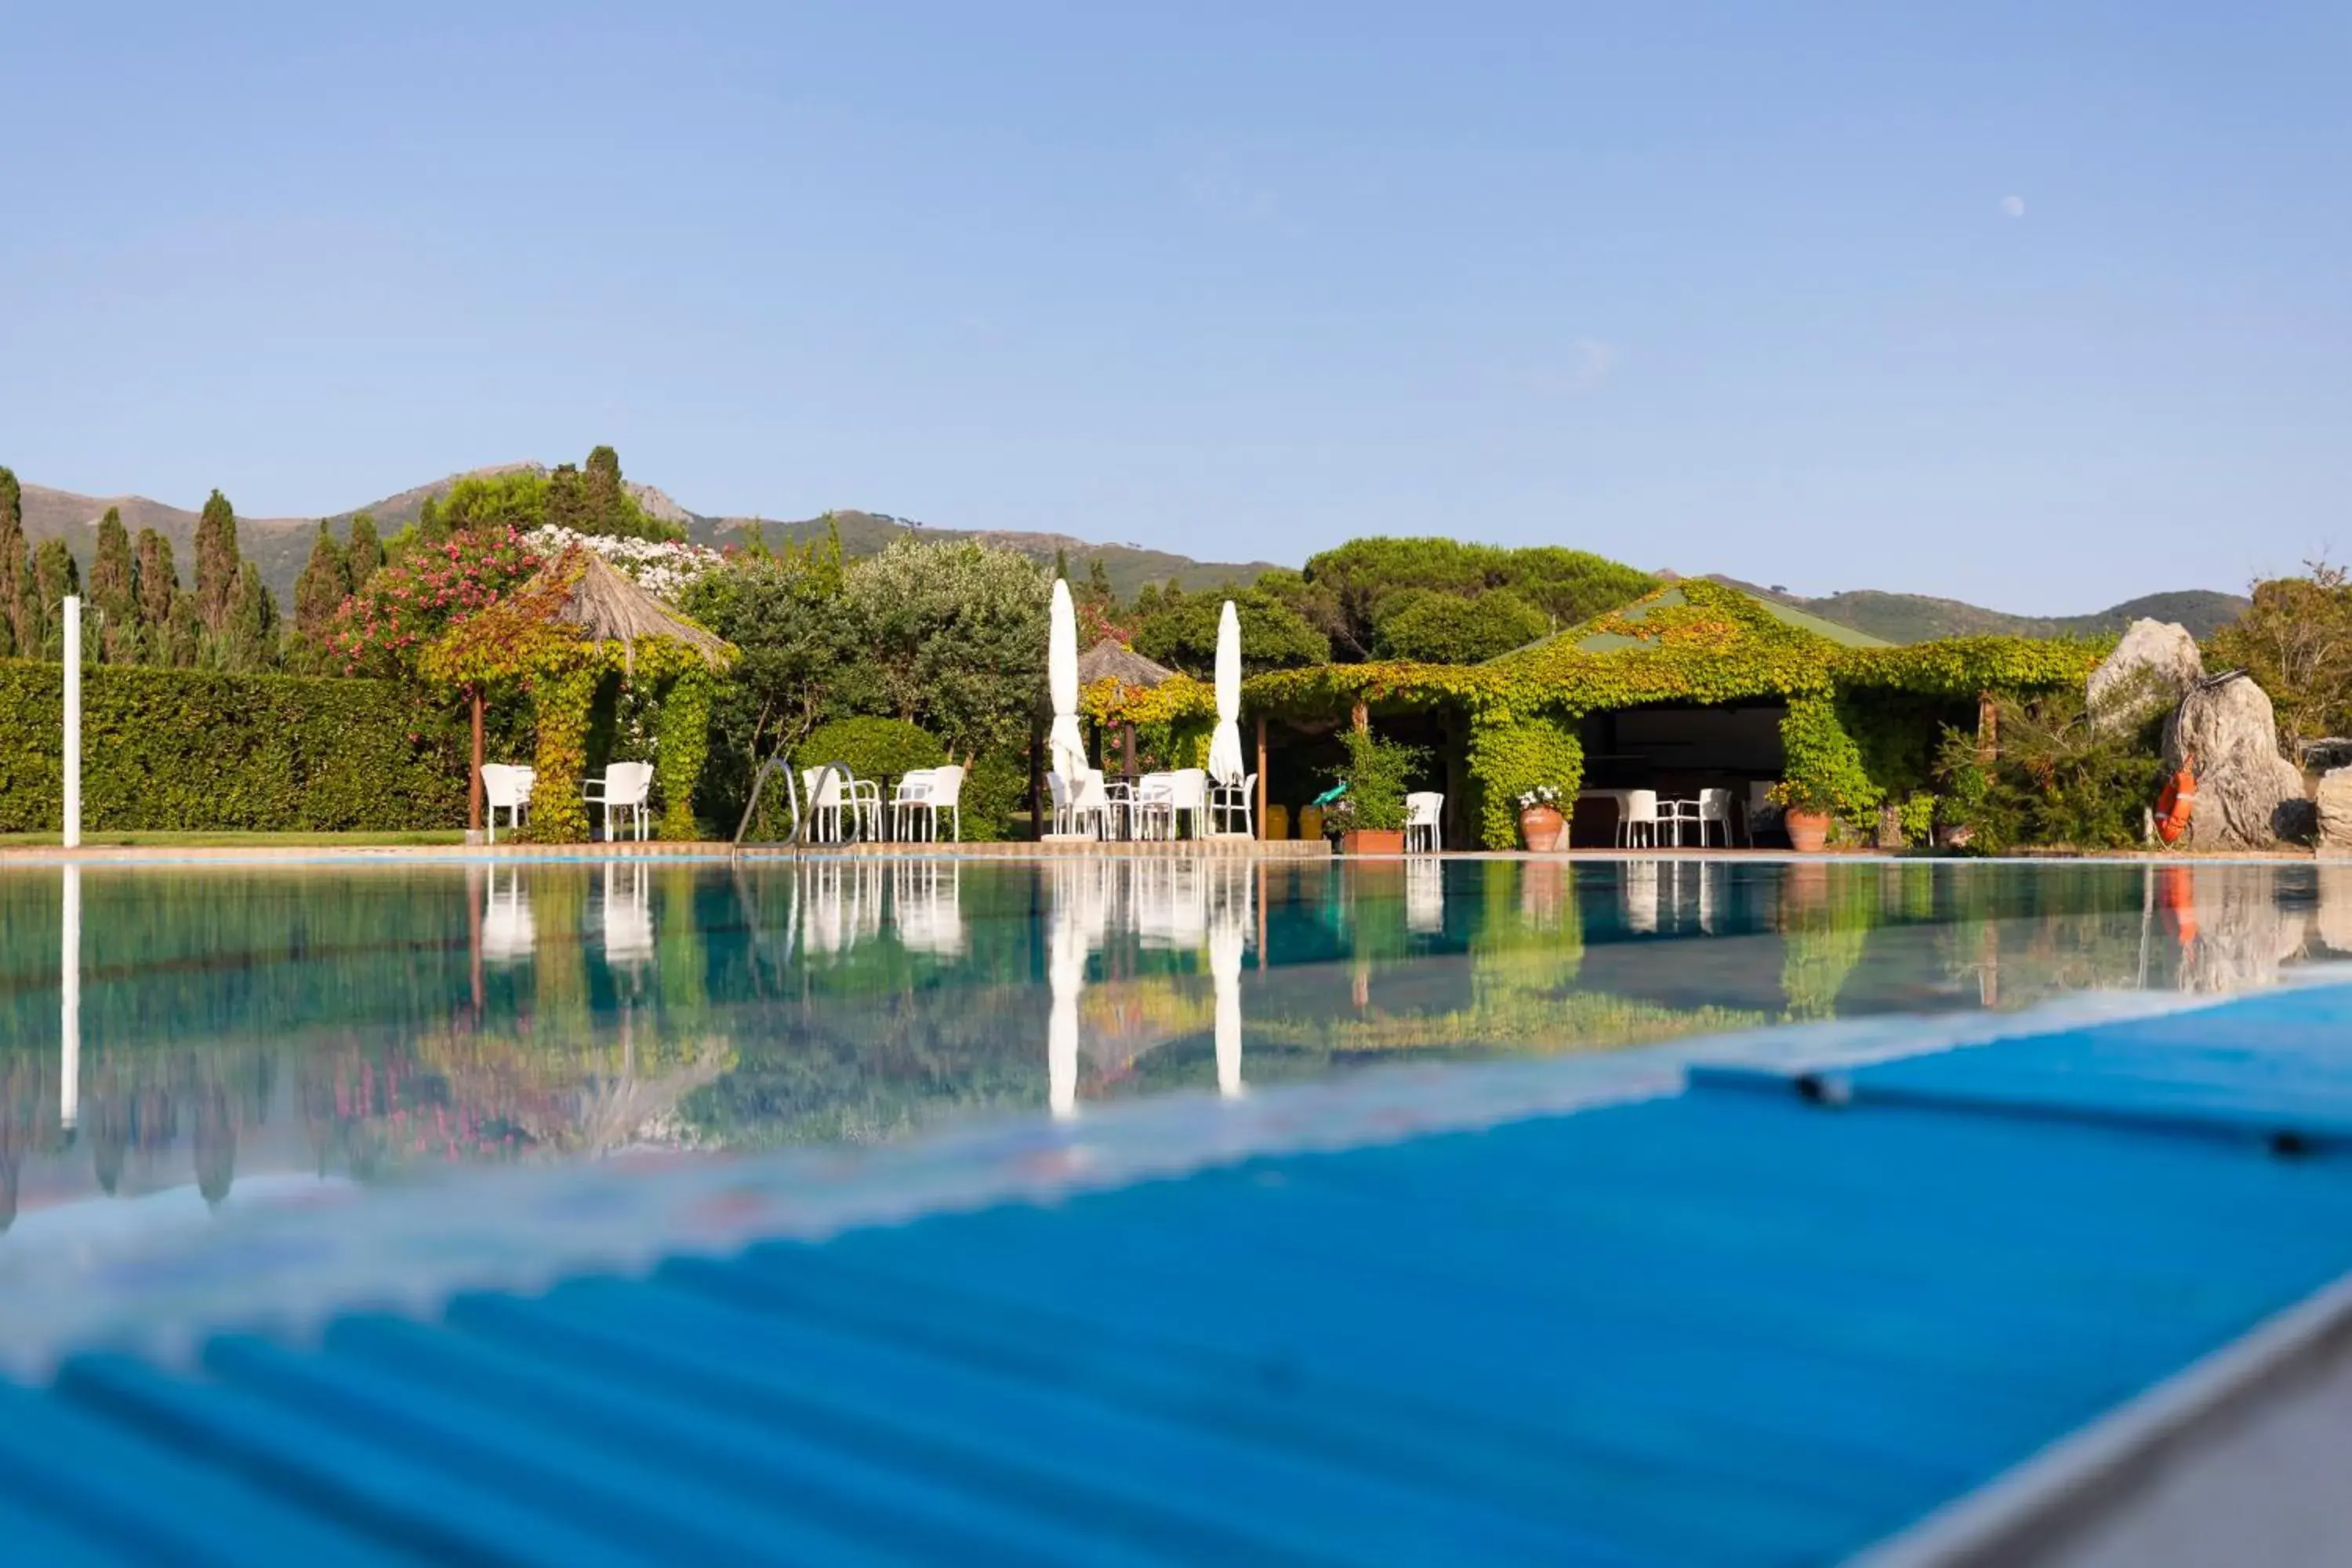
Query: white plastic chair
x=506, y=788
x=1079, y=804
x=1229, y=801
x=1637, y=809
x=1713, y=805
x=624, y=787
x=1163, y=798
x=925, y=793
x=1422, y=811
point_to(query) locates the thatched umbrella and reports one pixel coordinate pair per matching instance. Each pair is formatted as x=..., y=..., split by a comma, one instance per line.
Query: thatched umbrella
x=580, y=590
x=1111, y=660
x=608, y=607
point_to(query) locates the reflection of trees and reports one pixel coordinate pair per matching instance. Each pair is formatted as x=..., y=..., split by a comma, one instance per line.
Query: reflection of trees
x=1826, y=915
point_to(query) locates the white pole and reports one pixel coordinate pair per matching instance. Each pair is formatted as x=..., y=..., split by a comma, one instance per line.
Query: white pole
x=70, y=1011
x=73, y=720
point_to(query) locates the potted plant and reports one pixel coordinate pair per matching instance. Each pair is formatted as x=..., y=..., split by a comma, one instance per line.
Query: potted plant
x=1369, y=817
x=1806, y=813
x=1540, y=822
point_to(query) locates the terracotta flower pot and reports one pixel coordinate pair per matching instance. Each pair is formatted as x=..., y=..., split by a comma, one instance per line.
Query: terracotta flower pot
x=1372, y=841
x=1808, y=831
x=1541, y=826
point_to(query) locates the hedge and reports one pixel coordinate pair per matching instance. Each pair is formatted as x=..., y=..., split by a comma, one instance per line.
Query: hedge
x=189, y=750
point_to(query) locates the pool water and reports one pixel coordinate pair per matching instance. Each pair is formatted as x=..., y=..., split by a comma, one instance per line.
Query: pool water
x=256, y=1027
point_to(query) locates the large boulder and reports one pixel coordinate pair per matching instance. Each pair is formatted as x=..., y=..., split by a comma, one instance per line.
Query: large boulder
x=2248, y=795
x=2334, y=809
x=2151, y=669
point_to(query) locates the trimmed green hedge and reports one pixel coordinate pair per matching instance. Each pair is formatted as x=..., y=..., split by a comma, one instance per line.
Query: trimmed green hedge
x=190, y=751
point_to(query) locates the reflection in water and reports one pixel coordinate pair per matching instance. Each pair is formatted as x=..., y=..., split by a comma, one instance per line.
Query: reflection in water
x=181, y=1029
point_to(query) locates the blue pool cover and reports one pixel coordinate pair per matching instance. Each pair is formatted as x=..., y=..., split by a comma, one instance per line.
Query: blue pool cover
x=1766, y=1319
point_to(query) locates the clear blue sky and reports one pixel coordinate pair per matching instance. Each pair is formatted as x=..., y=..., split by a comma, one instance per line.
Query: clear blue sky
x=2041, y=305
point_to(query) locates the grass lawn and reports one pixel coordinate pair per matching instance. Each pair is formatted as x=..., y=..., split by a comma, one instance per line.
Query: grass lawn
x=163, y=840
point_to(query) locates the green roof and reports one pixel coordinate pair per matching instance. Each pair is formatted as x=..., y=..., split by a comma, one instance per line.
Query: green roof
x=1600, y=641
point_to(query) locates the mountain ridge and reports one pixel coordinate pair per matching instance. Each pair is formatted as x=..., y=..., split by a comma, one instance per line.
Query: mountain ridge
x=280, y=545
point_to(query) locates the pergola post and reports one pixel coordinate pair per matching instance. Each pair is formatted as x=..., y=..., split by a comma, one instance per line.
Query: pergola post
x=1988, y=728
x=474, y=790
x=1360, y=716
x=1259, y=806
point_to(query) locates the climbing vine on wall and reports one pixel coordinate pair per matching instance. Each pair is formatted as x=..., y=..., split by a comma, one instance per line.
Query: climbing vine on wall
x=1852, y=710
x=1510, y=754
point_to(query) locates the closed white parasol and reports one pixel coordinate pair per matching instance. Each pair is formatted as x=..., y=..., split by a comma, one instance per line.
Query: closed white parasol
x=1226, y=746
x=1065, y=747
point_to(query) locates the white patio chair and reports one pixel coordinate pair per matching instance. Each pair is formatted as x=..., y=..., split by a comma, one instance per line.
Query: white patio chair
x=1079, y=804
x=624, y=788
x=1637, y=817
x=505, y=787
x=1118, y=808
x=1228, y=802
x=1422, y=810
x=821, y=787
x=1188, y=790
x=1149, y=809
x=1676, y=813
x=912, y=789
x=922, y=796
x=1713, y=805
x=866, y=805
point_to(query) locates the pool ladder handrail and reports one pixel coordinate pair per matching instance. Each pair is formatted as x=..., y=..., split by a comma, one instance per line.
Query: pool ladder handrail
x=793, y=793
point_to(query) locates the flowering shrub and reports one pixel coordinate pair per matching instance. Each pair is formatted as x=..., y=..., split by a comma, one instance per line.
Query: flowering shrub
x=382, y=628
x=665, y=568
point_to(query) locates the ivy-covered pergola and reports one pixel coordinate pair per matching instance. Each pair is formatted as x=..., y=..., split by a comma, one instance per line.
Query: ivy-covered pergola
x=558, y=637
x=1852, y=703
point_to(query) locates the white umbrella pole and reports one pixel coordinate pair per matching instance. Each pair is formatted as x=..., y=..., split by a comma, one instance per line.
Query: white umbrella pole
x=73, y=720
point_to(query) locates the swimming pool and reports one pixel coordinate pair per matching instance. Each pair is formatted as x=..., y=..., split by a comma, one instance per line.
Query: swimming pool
x=258, y=1027
x=1142, y=1208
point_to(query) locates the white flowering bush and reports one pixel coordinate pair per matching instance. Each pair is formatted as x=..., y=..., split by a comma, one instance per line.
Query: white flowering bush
x=1542, y=794
x=665, y=568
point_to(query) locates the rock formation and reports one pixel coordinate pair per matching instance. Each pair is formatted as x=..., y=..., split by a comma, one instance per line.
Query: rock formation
x=2334, y=810
x=2152, y=668
x=2248, y=795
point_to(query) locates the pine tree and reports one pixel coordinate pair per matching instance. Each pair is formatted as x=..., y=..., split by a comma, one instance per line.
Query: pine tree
x=364, y=553
x=56, y=575
x=216, y=564
x=567, y=498
x=319, y=592
x=1061, y=563
x=609, y=511
x=430, y=527
x=113, y=592
x=13, y=564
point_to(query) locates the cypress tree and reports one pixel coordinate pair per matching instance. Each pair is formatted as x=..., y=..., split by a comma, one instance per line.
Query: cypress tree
x=217, y=563
x=12, y=565
x=318, y=595
x=158, y=584
x=365, y=551
x=567, y=498
x=113, y=592
x=251, y=640
x=184, y=631
x=55, y=573
x=609, y=511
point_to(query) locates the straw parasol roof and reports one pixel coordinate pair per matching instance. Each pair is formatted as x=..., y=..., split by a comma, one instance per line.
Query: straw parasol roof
x=1112, y=659
x=607, y=607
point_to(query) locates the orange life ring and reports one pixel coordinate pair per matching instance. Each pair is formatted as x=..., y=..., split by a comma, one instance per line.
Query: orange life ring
x=2177, y=805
